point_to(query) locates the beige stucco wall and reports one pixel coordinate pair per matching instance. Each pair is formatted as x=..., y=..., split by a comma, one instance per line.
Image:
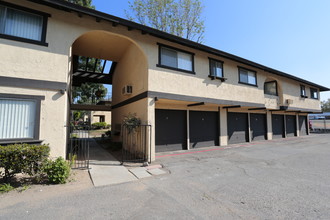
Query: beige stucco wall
x=95, y=116
x=53, y=117
x=53, y=63
x=139, y=108
x=199, y=84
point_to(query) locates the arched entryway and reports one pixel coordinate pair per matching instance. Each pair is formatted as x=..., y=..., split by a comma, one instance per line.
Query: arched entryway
x=116, y=62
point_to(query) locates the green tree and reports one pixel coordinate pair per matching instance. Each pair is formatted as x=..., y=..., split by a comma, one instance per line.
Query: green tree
x=325, y=106
x=89, y=93
x=178, y=17
x=85, y=3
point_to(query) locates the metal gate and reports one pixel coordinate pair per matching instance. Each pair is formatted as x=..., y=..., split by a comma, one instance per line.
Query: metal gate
x=136, y=144
x=78, y=146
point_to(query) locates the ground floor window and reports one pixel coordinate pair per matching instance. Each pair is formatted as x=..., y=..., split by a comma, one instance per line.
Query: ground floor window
x=19, y=117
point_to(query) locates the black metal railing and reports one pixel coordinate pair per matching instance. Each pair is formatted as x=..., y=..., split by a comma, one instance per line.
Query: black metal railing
x=78, y=146
x=136, y=144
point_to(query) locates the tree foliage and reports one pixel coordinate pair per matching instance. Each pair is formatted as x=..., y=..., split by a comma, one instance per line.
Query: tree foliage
x=85, y=3
x=178, y=17
x=89, y=93
x=325, y=105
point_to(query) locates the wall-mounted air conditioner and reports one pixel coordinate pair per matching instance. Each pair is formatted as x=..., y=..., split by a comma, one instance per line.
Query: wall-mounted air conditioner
x=289, y=101
x=127, y=90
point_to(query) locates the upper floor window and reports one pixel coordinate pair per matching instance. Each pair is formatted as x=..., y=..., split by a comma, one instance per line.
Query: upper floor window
x=314, y=94
x=303, y=93
x=216, y=68
x=176, y=59
x=22, y=24
x=270, y=88
x=247, y=76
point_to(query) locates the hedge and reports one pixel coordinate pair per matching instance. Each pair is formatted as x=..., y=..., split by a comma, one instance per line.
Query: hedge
x=22, y=158
x=99, y=125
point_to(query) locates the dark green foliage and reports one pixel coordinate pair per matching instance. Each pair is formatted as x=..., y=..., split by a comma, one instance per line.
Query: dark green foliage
x=99, y=125
x=22, y=158
x=108, y=133
x=89, y=93
x=85, y=3
x=131, y=122
x=57, y=171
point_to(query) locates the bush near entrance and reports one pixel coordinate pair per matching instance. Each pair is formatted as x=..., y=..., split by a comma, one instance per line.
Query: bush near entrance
x=22, y=158
x=99, y=125
x=57, y=171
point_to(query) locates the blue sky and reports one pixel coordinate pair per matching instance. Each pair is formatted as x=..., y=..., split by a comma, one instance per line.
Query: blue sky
x=292, y=36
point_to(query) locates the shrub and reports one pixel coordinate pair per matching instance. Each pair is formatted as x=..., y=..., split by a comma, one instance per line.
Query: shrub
x=5, y=188
x=57, y=171
x=99, y=125
x=108, y=133
x=131, y=122
x=22, y=158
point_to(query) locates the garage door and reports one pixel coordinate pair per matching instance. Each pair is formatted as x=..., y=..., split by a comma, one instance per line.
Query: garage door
x=237, y=127
x=290, y=125
x=258, y=126
x=302, y=125
x=203, y=129
x=171, y=130
x=278, y=126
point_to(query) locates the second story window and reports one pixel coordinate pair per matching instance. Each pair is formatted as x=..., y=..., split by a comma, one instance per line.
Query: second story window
x=175, y=59
x=303, y=91
x=270, y=88
x=216, y=68
x=247, y=76
x=21, y=24
x=314, y=94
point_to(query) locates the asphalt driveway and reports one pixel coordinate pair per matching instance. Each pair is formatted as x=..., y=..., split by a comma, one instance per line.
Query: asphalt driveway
x=280, y=179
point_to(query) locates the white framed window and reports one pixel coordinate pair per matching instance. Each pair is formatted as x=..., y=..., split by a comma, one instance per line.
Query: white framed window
x=216, y=68
x=175, y=59
x=247, y=76
x=22, y=24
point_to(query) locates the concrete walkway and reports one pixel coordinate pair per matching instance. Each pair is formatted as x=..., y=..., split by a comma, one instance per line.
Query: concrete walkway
x=106, y=170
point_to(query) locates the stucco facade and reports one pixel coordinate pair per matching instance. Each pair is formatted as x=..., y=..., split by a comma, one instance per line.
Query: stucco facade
x=47, y=71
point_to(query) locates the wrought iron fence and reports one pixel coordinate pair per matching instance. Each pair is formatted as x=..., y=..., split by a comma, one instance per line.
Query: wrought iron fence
x=136, y=144
x=78, y=146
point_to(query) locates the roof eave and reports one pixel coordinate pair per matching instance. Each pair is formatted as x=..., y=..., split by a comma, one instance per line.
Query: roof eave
x=67, y=6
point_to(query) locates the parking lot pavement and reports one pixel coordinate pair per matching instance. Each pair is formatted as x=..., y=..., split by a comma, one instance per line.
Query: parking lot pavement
x=280, y=179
